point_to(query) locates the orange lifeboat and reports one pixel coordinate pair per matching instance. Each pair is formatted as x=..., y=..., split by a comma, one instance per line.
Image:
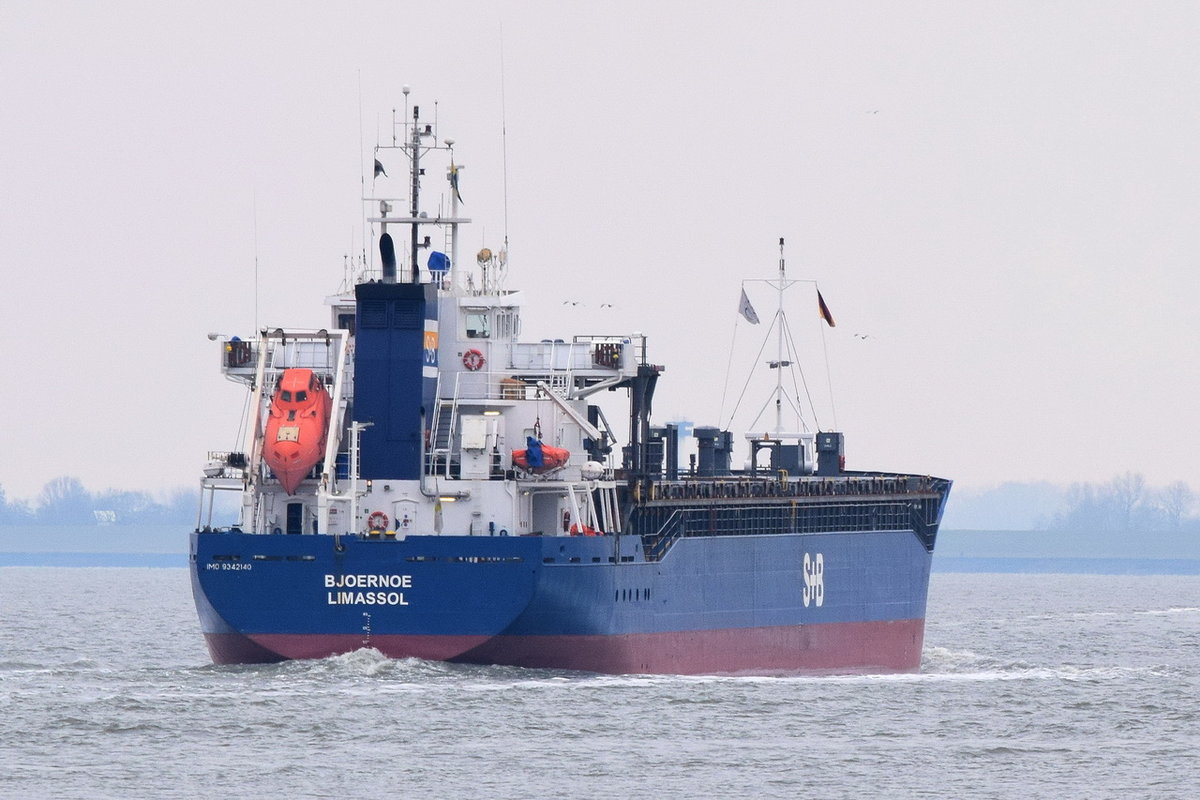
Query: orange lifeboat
x=296, y=428
x=538, y=457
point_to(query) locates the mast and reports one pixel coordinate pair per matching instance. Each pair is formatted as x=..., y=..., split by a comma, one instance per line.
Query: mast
x=779, y=348
x=416, y=139
x=453, y=210
x=415, y=145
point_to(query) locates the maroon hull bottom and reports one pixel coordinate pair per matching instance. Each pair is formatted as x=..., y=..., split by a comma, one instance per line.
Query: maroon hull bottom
x=893, y=646
x=233, y=648
x=888, y=646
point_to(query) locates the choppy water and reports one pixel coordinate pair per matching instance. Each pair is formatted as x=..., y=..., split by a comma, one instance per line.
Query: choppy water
x=1032, y=686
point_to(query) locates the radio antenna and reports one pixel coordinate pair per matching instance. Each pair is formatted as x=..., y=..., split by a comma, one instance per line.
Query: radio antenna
x=254, y=218
x=504, y=139
x=362, y=172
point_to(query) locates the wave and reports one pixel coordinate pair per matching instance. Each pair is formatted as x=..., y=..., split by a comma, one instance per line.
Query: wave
x=940, y=663
x=1110, y=614
x=369, y=670
x=1171, y=610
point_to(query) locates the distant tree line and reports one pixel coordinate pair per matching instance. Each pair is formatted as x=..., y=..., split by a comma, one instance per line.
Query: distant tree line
x=1126, y=502
x=65, y=501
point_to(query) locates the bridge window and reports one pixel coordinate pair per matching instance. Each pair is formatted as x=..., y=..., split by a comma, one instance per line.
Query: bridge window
x=477, y=325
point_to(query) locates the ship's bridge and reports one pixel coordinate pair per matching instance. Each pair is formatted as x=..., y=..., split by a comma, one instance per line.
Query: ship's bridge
x=481, y=357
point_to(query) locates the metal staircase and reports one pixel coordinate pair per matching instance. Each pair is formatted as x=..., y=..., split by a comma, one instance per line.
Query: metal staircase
x=437, y=459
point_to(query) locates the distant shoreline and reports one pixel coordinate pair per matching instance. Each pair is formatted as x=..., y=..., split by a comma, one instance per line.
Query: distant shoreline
x=1070, y=566
x=93, y=560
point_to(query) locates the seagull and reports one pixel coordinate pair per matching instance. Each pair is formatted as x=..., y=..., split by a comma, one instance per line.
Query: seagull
x=862, y=336
x=606, y=305
x=572, y=303
x=379, y=169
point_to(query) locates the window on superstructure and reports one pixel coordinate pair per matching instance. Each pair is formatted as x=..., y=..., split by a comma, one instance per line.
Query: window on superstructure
x=301, y=396
x=477, y=325
x=507, y=324
x=286, y=396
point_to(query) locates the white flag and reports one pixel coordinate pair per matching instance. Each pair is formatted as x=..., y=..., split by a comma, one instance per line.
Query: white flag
x=747, y=310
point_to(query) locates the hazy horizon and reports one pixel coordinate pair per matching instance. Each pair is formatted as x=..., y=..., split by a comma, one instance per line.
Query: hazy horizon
x=1126, y=502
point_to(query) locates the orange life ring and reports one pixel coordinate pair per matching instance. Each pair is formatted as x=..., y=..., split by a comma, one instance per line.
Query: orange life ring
x=473, y=360
x=378, y=521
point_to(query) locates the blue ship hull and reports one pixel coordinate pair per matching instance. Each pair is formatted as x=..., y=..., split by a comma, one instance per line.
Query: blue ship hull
x=852, y=601
x=445, y=432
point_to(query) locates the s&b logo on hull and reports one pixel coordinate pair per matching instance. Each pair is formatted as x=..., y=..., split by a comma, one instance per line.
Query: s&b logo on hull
x=814, y=580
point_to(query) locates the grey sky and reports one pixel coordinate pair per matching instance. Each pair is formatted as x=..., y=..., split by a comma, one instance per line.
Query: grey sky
x=1002, y=195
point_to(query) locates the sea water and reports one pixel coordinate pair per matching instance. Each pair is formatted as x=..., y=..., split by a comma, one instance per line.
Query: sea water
x=1031, y=686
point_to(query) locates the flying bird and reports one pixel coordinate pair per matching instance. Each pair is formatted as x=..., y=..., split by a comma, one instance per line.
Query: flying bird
x=379, y=169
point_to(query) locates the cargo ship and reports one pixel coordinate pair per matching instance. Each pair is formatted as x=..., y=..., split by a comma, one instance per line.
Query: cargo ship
x=417, y=479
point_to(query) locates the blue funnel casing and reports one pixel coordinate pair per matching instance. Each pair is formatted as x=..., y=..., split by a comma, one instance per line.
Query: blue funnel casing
x=395, y=376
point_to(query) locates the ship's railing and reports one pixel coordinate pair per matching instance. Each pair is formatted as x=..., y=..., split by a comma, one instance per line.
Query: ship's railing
x=486, y=386
x=547, y=356
x=225, y=464
x=224, y=471
x=620, y=354
x=313, y=350
x=736, y=487
x=467, y=386
x=483, y=386
x=769, y=520
x=657, y=544
x=631, y=349
x=315, y=355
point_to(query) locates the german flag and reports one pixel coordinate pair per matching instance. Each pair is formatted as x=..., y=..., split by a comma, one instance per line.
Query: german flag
x=824, y=309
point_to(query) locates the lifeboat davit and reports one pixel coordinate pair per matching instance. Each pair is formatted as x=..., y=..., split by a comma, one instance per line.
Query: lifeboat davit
x=538, y=458
x=296, y=429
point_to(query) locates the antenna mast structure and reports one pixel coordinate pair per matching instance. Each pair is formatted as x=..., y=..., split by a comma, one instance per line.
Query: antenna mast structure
x=780, y=322
x=412, y=145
